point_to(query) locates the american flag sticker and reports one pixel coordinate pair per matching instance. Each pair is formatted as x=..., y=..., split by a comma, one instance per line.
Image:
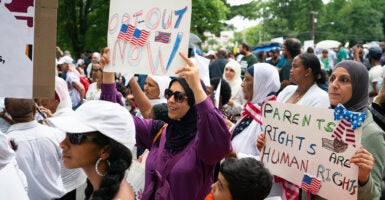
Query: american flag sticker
x=310, y=184
x=162, y=37
x=139, y=37
x=124, y=33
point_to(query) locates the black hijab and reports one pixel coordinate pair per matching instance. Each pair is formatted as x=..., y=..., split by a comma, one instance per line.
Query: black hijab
x=360, y=80
x=180, y=132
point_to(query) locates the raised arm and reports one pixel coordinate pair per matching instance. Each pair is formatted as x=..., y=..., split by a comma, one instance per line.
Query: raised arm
x=141, y=100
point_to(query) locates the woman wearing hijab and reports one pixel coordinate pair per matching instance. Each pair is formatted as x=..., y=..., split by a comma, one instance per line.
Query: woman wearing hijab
x=306, y=74
x=348, y=85
x=99, y=136
x=154, y=87
x=232, y=75
x=260, y=84
x=183, y=154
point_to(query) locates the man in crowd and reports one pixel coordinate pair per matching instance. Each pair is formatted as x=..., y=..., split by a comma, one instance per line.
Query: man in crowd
x=38, y=154
x=75, y=87
x=217, y=66
x=290, y=49
x=375, y=71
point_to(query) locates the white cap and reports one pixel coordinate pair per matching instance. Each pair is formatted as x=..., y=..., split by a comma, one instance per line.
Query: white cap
x=65, y=59
x=110, y=119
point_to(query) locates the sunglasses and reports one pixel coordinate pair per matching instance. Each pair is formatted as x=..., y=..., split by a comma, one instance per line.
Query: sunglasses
x=178, y=96
x=78, y=138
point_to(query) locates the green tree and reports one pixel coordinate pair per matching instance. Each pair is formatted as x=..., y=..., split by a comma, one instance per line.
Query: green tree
x=82, y=24
x=208, y=16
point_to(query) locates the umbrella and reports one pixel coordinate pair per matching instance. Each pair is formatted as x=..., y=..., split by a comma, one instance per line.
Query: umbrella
x=194, y=39
x=327, y=44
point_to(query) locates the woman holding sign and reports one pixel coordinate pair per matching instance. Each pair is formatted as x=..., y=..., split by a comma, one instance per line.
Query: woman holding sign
x=306, y=74
x=184, y=152
x=348, y=85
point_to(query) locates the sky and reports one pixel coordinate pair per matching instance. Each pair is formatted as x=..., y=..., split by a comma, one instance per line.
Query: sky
x=240, y=23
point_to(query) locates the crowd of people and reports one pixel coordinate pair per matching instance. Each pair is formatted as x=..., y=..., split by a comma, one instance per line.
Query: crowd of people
x=83, y=142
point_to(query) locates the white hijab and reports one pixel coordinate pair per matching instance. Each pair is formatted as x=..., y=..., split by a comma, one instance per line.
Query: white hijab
x=235, y=84
x=266, y=81
x=163, y=82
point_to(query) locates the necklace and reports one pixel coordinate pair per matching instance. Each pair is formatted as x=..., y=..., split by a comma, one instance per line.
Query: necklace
x=299, y=95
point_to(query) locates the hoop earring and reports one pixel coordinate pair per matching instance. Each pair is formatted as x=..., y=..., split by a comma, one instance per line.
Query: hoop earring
x=97, y=164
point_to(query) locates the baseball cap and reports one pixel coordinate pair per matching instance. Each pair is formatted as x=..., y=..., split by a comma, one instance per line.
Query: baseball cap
x=110, y=119
x=65, y=59
x=375, y=52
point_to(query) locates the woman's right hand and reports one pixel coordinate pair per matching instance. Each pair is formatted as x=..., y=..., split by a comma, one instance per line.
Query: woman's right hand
x=260, y=141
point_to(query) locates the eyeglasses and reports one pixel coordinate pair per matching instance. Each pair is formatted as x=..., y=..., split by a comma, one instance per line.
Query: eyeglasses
x=78, y=138
x=178, y=96
x=96, y=70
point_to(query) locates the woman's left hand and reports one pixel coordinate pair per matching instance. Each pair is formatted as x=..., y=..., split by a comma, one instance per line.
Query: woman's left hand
x=365, y=161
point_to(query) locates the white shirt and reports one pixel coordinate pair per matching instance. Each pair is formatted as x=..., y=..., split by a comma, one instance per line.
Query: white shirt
x=12, y=184
x=74, y=94
x=93, y=93
x=39, y=157
x=314, y=97
x=375, y=75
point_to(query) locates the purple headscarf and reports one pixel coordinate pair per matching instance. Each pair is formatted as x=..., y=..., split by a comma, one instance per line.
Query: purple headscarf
x=360, y=80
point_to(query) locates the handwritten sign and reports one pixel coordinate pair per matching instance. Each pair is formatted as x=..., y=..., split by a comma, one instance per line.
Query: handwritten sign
x=145, y=36
x=16, y=34
x=28, y=35
x=300, y=148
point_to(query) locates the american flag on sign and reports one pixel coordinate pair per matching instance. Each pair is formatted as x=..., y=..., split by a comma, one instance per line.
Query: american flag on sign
x=125, y=33
x=139, y=37
x=310, y=184
x=162, y=37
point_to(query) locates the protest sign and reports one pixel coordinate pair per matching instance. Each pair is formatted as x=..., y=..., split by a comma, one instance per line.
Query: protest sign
x=145, y=36
x=27, y=50
x=307, y=147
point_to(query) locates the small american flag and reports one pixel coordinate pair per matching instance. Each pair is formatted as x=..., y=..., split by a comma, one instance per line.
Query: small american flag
x=124, y=33
x=310, y=184
x=162, y=37
x=139, y=37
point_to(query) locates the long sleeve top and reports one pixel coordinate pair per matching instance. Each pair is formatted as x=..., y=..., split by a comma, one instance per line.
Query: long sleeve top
x=192, y=175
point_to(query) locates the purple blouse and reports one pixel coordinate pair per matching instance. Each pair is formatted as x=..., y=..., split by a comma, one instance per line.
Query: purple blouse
x=192, y=175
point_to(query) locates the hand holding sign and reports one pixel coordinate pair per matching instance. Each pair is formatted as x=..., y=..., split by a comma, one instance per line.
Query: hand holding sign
x=260, y=141
x=365, y=161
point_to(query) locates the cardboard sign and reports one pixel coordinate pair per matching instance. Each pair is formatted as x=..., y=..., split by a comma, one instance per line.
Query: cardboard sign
x=27, y=50
x=301, y=147
x=145, y=36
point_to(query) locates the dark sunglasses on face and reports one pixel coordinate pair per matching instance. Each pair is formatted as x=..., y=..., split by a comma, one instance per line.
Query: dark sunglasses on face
x=78, y=138
x=178, y=96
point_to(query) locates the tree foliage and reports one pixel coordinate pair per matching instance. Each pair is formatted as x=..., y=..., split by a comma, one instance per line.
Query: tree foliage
x=82, y=24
